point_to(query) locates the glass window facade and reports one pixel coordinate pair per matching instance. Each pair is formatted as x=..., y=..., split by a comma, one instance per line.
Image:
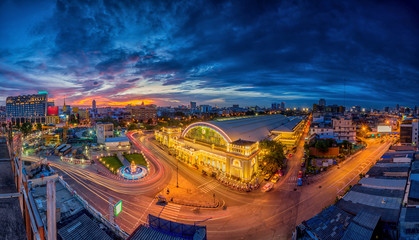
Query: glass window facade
x=27, y=106
x=207, y=135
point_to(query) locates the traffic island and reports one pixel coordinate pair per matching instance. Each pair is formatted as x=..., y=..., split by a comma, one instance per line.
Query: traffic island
x=138, y=159
x=112, y=163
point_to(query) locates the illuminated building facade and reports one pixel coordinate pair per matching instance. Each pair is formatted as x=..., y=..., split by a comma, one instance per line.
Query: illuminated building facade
x=227, y=146
x=27, y=108
x=143, y=113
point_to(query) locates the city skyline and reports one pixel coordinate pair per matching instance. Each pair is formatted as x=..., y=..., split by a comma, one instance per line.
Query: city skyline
x=229, y=53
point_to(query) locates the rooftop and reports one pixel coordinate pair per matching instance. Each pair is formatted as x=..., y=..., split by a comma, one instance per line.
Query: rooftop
x=373, y=200
x=252, y=128
x=362, y=226
x=386, y=214
x=414, y=190
x=11, y=222
x=117, y=139
x=398, y=184
x=330, y=223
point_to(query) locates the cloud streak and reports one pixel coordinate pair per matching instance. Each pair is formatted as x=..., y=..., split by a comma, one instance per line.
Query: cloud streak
x=230, y=52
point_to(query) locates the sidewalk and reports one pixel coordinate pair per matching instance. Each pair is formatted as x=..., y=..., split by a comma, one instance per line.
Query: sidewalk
x=189, y=195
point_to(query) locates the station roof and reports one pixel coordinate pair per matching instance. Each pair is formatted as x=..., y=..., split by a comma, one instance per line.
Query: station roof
x=289, y=126
x=253, y=128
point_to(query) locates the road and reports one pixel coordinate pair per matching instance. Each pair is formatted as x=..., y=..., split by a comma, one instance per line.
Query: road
x=253, y=215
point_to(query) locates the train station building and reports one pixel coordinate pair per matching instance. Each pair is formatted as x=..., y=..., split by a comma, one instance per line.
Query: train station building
x=230, y=146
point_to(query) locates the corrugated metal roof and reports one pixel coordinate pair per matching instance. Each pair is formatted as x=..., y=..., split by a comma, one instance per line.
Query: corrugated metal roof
x=373, y=200
x=251, y=129
x=82, y=228
x=414, y=189
x=384, y=183
x=145, y=233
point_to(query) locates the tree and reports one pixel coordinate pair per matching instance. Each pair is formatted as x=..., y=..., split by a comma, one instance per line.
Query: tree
x=132, y=126
x=39, y=126
x=272, y=155
x=26, y=128
x=321, y=145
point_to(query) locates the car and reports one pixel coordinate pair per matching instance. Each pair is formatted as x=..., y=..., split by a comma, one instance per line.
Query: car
x=303, y=164
x=267, y=177
x=267, y=187
x=280, y=173
x=290, y=155
x=299, y=182
x=275, y=179
x=300, y=174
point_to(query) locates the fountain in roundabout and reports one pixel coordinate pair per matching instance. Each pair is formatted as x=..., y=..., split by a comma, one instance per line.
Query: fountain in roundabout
x=133, y=172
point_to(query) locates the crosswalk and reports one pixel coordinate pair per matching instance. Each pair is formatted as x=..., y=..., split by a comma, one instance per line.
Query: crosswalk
x=209, y=186
x=170, y=211
x=292, y=180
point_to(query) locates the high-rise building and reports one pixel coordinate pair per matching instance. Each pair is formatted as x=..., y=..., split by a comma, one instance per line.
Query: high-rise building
x=192, y=105
x=275, y=106
x=322, y=102
x=282, y=105
x=397, y=107
x=94, y=105
x=25, y=108
x=205, y=108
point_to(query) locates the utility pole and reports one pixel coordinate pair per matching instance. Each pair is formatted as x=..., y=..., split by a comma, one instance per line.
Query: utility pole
x=177, y=174
x=51, y=209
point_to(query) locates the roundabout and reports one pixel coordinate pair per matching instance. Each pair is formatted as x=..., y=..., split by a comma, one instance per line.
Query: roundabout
x=133, y=172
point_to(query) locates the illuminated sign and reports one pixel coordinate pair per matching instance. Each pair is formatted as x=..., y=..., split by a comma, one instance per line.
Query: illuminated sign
x=118, y=208
x=42, y=92
x=52, y=111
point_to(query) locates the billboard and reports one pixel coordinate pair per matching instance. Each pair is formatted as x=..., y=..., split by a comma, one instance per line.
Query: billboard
x=52, y=111
x=384, y=129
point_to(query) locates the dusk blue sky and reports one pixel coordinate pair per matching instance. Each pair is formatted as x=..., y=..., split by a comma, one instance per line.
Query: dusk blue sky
x=219, y=53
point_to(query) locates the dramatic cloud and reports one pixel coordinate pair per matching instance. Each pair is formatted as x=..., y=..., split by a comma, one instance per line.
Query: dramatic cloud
x=245, y=52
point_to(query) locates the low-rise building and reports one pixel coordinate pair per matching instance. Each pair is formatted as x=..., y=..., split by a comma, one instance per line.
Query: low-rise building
x=344, y=129
x=103, y=131
x=409, y=132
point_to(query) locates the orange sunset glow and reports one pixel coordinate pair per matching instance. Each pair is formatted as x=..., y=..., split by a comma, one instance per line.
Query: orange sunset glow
x=102, y=101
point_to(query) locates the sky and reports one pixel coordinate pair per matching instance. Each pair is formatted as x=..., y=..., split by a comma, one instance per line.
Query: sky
x=212, y=52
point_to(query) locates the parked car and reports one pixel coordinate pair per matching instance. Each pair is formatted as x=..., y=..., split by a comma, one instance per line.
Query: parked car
x=290, y=155
x=299, y=182
x=275, y=179
x=303, y=163
x=267, y=187
x=267, y=177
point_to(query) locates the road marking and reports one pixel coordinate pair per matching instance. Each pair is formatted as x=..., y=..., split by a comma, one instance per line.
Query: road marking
x=205, y=183
x=170, y=211
x=209, y=187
